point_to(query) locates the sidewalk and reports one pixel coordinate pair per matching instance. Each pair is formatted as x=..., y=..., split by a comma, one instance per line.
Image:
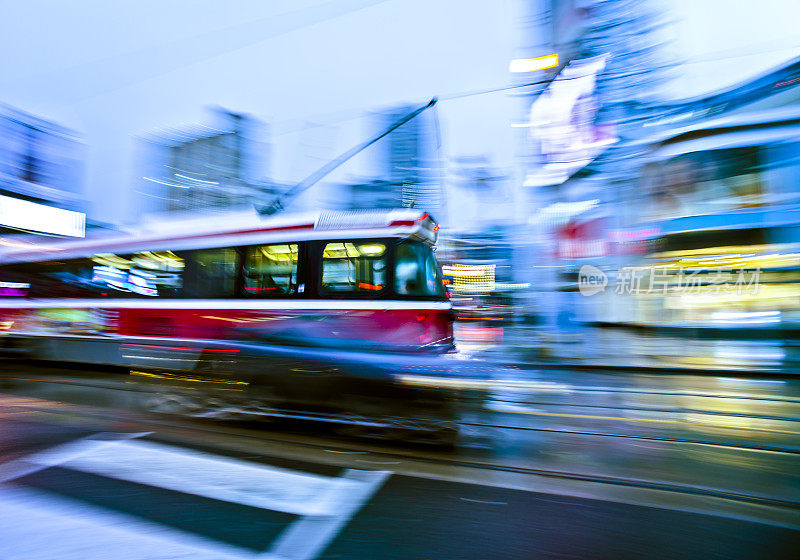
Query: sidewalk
x=598, y=347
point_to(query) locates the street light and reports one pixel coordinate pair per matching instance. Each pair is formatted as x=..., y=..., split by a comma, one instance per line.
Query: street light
x=533, y=64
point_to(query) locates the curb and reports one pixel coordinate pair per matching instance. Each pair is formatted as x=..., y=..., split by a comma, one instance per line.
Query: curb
x=697, y=332
x=653, y=369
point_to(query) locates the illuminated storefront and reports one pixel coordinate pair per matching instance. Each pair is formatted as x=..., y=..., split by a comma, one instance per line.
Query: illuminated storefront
x=722, y=202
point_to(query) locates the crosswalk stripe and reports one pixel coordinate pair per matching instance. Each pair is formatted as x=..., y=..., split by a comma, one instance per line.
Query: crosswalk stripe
x=35, y=525
x=324, y=504
x=309, y=536
x=59, y=454
x=230, y=480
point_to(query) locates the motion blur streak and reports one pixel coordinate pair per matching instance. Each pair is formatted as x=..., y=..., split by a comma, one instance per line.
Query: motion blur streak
x=540, y=258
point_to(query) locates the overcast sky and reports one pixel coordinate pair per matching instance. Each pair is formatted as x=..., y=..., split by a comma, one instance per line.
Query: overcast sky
x=115, y=71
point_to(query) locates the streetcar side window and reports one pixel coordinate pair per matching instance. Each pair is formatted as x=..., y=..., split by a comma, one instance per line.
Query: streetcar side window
x=416, y=272
x=14, y=282
x=353, y=267
x=105, y=274
x=210, y=273
x=49, y=279
x=270, y=270
x=147, y=274
x=156, y=273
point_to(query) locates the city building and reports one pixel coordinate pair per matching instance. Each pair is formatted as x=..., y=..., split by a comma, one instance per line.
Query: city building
x=41, y=173
x=207, y=169
x=705, y=233
x=717, y=209
x=618, y=161
x=401, y=170
x=407, y=159
x=376, y=193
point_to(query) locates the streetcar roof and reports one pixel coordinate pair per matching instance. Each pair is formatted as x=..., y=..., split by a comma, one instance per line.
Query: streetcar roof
x=234, y=229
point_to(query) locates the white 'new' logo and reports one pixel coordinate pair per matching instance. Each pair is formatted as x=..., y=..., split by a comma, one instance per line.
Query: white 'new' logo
x=591, y=280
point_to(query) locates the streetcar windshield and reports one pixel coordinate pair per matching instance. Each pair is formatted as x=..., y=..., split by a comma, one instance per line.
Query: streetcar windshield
x=416, y=271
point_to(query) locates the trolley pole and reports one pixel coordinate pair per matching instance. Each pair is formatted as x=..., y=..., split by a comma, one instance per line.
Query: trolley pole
x=282, y=201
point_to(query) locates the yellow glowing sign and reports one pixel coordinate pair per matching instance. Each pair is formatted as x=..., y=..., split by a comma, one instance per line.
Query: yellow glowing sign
x=533, y=64
x=471, y=278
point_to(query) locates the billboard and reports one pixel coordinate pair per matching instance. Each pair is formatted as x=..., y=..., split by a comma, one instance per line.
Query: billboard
x=563, y=133
x=30, y=216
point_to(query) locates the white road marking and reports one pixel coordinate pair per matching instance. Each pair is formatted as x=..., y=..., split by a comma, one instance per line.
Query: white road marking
x=37, y=527
x=307, y=538
x=484, y=502
x=202, y=474
x=60, y=454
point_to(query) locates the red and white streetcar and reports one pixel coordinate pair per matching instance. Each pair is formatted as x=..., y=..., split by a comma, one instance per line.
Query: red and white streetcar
x=310, y=312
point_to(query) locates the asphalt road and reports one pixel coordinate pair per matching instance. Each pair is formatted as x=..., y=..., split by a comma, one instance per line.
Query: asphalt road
x=80, y=482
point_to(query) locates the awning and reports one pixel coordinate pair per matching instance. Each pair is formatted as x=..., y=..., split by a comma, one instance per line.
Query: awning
x=737, y=139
